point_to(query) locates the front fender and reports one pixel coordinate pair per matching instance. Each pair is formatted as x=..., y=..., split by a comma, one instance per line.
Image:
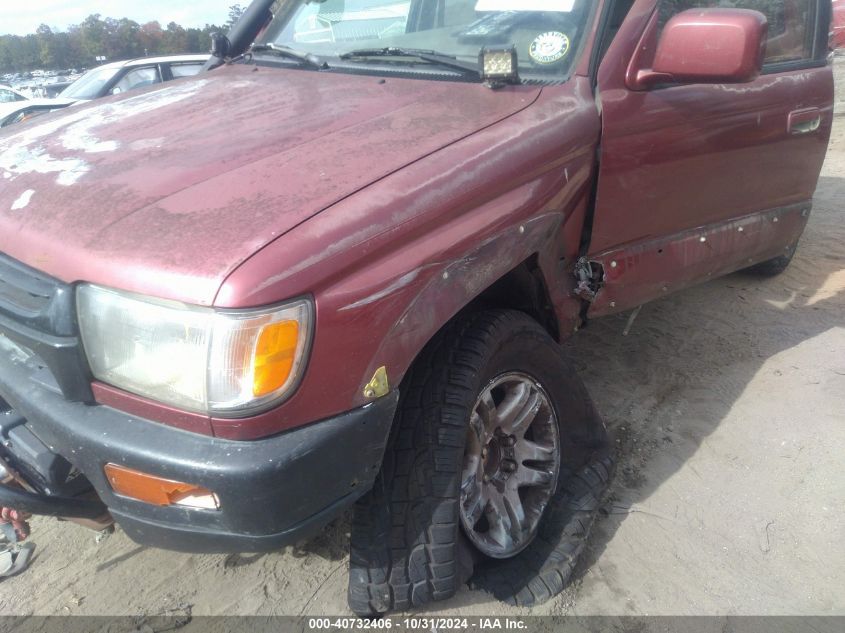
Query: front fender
x=392, y=264
x=453, y=284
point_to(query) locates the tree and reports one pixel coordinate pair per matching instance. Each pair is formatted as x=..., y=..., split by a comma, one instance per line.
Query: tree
x=76, y=57
x=195, y=42
x=124, y=41
x=151, y=38
x=235, y=13
x=175, y=39
x=96, y=36
x=46, y=45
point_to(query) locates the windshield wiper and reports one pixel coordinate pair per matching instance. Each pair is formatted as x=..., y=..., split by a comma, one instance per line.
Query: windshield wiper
x=432, y=57
x=306, y=59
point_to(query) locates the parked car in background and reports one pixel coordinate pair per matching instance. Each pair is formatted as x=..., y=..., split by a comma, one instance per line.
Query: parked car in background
x=119, y=77
x=10, y=95
x=54, y=90
x=837, y=26
x=20, y=111
x=110, y=79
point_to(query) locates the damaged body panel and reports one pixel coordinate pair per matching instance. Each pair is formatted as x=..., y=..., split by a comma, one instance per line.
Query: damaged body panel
x=693, y=179
x=636, y=274
x=441, y=248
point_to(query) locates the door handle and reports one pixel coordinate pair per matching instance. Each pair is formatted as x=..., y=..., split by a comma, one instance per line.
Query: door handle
x=805, y=121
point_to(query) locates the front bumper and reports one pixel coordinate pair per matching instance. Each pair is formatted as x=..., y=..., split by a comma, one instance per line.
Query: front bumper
x=272, y=492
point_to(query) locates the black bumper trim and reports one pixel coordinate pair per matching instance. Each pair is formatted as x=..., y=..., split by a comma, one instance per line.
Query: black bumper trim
x=208, y=542
x=271, y=490
x=66, y=507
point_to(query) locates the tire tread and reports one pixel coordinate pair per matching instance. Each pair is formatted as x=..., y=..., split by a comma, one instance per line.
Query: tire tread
x=407, y=548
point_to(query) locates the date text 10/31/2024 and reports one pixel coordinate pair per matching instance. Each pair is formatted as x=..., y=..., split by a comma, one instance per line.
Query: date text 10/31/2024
x=418, y=624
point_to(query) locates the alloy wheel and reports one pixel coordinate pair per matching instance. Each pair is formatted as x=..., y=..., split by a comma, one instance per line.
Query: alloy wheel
x=511, y=465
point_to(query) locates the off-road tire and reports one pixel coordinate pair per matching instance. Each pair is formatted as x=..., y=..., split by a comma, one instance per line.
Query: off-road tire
x=543, y=570
x=407, y=548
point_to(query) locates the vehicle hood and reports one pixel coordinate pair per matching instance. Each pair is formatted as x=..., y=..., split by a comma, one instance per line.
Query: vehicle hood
x=166, y=191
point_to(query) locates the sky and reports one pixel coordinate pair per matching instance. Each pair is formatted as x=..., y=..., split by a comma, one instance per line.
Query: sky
x=21, y=18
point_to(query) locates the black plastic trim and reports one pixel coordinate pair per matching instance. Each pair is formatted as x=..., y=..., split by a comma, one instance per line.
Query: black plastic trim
x=48, y=505
x=598, y=43
x=785, y=67
x=186, y=539
x=271, y=491
x=34, y=299
x=38, y=313
x=62, y=355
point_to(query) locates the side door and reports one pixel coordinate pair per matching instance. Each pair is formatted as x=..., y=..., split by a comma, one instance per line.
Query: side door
x=697, y=181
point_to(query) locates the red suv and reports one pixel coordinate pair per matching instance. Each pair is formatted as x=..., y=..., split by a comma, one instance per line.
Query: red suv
x=336, y=268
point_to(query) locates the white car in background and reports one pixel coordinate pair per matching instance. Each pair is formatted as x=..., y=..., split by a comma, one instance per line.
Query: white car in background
x=109, y=79
x=18, y=111
x=119, y=77
x=10, y=95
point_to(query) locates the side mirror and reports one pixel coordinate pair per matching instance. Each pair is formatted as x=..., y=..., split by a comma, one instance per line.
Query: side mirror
x=116, y=91
x=709, y=46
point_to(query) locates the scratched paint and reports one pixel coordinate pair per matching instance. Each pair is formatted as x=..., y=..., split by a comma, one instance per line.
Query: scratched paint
x=24, y=152
x=139, y=203
x=23, y=201
x=396, y=286
x=147, y=143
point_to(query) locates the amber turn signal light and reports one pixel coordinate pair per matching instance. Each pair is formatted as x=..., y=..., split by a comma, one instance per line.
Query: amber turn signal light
x=275, y=352
x=157, y=490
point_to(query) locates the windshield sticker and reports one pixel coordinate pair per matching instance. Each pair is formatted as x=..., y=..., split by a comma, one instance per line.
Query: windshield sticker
x=562, y=6
x=549, y=48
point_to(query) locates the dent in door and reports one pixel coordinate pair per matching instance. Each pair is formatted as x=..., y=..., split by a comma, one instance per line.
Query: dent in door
x=638, y=273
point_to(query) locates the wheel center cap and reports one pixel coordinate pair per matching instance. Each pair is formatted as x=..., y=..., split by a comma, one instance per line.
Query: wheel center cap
x=499, y=458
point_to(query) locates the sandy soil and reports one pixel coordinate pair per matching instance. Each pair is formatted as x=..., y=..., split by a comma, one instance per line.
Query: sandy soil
x=728, y=402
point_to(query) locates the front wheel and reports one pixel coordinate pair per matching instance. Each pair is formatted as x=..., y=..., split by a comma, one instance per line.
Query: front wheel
x=493, y=427
x=511, y=464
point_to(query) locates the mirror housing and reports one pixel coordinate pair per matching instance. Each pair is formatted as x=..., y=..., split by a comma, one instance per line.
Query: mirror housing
x=709, y=46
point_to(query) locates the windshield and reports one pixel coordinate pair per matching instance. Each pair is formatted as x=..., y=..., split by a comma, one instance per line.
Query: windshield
x=546, y=33
x=90, y=84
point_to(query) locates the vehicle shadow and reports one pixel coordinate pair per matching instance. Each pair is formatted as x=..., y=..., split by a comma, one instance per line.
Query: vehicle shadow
x=710, y=342
x=122, y=558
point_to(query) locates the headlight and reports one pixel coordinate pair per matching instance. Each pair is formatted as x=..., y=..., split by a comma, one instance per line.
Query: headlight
x=229, y=363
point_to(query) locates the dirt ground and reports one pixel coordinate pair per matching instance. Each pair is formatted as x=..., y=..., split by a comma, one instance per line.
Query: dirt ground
x=728, y=405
